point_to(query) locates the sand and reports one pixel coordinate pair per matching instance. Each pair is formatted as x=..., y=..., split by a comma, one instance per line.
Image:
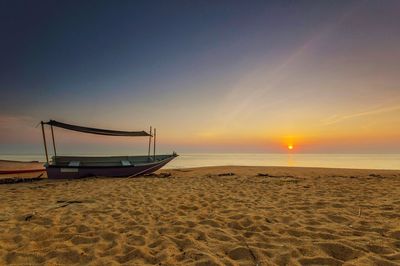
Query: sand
x=206, y=216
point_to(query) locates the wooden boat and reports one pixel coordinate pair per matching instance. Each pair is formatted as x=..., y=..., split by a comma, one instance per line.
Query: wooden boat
x=20, y=168
x=20, y=171
x=110, y=166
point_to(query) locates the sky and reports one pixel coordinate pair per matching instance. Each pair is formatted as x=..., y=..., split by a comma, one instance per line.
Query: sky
x=211, y=76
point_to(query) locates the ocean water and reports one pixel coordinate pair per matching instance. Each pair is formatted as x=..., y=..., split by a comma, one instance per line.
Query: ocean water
x=361, y=161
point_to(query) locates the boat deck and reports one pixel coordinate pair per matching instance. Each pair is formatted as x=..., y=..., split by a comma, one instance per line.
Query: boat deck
x=87, y=161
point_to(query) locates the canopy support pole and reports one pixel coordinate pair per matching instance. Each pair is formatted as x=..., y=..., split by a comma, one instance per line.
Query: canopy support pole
x=154, y=146
x=54, y=143
x=44, y=141
x=149, y=144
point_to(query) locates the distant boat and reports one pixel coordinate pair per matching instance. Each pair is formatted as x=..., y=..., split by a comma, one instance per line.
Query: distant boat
x=108, y=166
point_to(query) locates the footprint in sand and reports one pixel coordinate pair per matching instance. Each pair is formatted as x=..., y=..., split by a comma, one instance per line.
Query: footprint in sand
x=320, y=261
x=339, y=251
x=135, y=240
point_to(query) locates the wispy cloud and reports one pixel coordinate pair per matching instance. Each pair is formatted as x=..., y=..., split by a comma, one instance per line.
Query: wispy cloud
x=16, y=121
x=250, y=87
x=17, y=130
x=339, y=118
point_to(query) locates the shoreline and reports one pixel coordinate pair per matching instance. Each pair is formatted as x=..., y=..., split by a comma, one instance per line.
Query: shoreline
x=343, y=161
x=15, y=165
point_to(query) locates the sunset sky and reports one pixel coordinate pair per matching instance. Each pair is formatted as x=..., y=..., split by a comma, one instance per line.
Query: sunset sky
x=211, y=76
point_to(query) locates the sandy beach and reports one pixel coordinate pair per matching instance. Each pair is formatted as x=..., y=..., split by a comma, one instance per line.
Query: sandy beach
x=206, y=216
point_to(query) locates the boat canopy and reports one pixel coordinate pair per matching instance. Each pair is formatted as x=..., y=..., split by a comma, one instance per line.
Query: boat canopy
x=98, y=131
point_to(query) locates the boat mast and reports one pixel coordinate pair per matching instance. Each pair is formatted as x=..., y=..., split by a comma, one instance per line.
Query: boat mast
x=54, y=143
x=149, y=144
x=154, y=145
x=44, y=141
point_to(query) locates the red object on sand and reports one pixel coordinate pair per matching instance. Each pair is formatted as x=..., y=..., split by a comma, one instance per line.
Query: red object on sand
x=4, y=172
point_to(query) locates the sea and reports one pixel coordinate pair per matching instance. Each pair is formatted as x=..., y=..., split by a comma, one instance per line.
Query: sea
x=187, y=160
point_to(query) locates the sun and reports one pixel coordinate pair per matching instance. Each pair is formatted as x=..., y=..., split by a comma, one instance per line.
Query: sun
x=290, y=147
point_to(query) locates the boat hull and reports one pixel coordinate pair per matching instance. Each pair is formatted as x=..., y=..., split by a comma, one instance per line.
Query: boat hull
x=60, y=172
